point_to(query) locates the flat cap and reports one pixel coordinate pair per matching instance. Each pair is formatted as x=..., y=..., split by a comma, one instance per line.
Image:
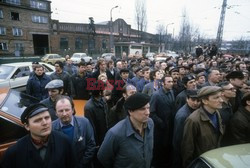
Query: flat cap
x=234, y=75
x=173, y=70
x=32, y=110
x=136, y=101
x=56, y=83
x=192, y=93
x=124, y=70
x=208, y=90
x=187, y=78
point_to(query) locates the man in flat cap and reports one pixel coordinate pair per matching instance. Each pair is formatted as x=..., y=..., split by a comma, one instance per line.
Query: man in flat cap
x=236, y=78
x=130, y=142
x=192, y=103
x=41, y=147
x=55, y=88
x=203, y=129
x=240, y=122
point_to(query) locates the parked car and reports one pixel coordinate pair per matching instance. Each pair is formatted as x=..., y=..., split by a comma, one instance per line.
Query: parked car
x=12, y=105
x=16, y=75
x=161, y=57
x=172, y=54
x=150, y=56
x=236, y=156
x=52, y=58
x=78, y=57
x=108, y=56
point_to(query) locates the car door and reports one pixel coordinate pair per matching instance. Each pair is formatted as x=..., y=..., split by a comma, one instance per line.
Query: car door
x=20, y=77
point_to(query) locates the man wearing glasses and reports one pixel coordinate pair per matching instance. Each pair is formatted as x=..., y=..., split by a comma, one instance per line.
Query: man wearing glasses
x=228, y=93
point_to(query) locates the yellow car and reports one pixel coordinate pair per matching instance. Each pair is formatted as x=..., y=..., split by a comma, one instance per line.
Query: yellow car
x=236, y=156
x=52, y=58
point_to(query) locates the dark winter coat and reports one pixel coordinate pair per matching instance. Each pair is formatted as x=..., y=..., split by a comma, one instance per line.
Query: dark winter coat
x=25, y=155
x=36, y=86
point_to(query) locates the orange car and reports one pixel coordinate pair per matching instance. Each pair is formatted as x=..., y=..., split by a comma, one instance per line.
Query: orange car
x=12, y=105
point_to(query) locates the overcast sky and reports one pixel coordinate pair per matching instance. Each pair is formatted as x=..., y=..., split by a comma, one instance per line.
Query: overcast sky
x=204, y=14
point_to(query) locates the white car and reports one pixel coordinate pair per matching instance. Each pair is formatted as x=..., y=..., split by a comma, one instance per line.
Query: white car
x=150, y=56
x=78, y=57
x=16, y=75
x=108, y=56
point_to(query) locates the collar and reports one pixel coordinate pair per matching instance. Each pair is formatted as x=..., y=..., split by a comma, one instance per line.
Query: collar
x=40, y=143
x=71, y=123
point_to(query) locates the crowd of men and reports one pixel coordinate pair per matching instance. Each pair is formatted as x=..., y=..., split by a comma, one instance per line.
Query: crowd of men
x=138, y=113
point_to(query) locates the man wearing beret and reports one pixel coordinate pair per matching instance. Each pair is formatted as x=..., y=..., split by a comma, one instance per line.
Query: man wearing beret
x=203, y=129
x=240, y=122
x=130, y=142
x=41, y=147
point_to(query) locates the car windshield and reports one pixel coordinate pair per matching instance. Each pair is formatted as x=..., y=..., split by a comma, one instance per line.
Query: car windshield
x=16, y=103
x=5, y=71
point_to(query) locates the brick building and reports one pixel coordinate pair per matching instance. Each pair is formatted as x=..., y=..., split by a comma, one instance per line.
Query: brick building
x=26, y=28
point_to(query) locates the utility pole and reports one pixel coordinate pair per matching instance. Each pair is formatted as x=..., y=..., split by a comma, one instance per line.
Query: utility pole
x=111, y=30
x=221, y=24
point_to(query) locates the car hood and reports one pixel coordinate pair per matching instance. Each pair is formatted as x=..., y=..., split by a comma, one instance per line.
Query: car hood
x=229, y=157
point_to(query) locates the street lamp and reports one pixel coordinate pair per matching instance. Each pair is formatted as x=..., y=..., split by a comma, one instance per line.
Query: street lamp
x=111, y=29
x=167, y=34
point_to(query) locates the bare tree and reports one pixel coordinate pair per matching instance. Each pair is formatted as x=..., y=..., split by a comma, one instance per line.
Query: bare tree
x=161, y=32
x=140, y=17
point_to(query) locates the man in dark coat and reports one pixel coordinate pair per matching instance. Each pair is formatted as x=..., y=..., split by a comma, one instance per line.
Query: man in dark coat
x=162, y=108
x=68, y=89
x=226, y=112
x=118, y=112
x=240, y=123
x=37, y=82
x=192, y=103
x=80, y=82
x=236, y=78
x=96, y=111
x=189, y=84
x=78, y=130
x=102, y=69
x=41, y=147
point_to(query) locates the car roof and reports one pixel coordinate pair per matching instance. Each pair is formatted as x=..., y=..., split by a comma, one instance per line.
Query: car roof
x=229, y=157
x=21, y=63
x=18, y=63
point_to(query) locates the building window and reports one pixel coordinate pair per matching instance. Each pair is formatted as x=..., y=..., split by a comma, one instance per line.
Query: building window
x=2, y=31
x=38, y=5
x=64, y=44
x=1, y=13
x=18, y=46
x=14, y=2
x=78, y=44
x=3, y=46
x=14, y=16
x=39, y=19
x=17, y=31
